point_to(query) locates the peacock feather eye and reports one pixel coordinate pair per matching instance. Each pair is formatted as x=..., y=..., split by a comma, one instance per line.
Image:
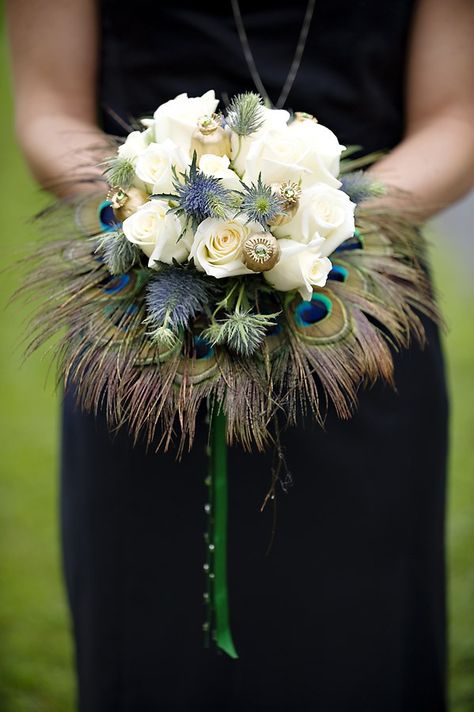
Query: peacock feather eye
x=106, y=214
x=123, y=285
x=310, y=313
x=122, y=318
x=117, y=284
x=200, y=364
x=356, y=242
x=339, y=273
x=202, y=349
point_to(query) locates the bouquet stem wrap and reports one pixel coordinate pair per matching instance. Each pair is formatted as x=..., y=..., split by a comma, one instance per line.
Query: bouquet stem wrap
x=219, y=604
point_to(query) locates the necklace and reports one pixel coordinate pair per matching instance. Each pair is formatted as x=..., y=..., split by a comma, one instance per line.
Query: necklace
x=251, y=61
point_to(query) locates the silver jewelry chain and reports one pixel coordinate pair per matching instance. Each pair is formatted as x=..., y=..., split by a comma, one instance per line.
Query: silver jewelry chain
x=295, y=65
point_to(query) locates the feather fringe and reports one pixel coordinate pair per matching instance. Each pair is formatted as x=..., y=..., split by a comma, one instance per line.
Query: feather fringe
x=106, y=352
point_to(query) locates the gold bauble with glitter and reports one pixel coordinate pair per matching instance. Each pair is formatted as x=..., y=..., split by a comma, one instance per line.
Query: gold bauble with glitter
x=125, y=203
x=290, y=193
x=210, y=137
x=261, y=251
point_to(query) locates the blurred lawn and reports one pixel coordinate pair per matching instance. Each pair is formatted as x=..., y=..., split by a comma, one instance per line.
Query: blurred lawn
x=35, y=647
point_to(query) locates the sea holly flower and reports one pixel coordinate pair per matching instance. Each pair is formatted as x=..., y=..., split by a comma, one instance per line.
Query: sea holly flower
x=219, y=167
x=118, y=253
x=245, y=115
x=176, y=295
x=242, y=330
x=240, y=144
x=260, y=203
x=198, y=196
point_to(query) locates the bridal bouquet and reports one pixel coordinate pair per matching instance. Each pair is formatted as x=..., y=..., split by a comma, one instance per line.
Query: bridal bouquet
x=232, y=261
x=238, y=259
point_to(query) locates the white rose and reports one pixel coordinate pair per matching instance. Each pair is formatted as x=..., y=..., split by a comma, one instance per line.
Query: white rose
x=217, y=246
x=323, y=142
x=154, y=165
x=156, y=231
x=136, y=143
x=323, y=211
x=177, y=118
x=300, y=267
x=240, y=145
x=290, y=154
x=218, y=166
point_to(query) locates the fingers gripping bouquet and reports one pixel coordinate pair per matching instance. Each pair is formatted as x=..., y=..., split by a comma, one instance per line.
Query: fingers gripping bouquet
x=238, y=259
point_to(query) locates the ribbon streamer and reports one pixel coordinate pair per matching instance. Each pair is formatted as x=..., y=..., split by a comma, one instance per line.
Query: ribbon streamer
x=219, y=603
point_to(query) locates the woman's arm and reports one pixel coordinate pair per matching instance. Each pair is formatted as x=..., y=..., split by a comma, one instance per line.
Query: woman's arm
x=435, y=160
x=54, y=63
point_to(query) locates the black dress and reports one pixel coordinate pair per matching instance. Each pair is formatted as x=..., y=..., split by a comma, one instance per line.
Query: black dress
x=347, y=612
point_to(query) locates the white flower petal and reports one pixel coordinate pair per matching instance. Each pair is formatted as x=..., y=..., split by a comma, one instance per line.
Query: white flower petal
x=177, y=119
x=325, y=211
x=156, y=231
x=300, y=267
x=217, y=246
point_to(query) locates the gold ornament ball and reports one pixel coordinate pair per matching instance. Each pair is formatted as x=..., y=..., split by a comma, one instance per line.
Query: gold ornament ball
x=210, y=137
x=125, y=203
x=261, y=251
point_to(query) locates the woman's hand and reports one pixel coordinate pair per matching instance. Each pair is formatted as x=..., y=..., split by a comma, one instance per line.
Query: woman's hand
x=434, y=164
x=54, y=63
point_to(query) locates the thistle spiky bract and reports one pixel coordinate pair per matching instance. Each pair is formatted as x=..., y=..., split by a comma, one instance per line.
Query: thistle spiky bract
x=163, y=337
x=199, y=196
x=177, y=295
x=119, y=172
x=360, y=186
x=244, y=115
x=242, y=331
x=260, y=203
x=118, y=253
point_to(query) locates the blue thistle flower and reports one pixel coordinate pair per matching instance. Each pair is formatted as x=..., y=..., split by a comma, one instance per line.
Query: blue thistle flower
x=242, y=331
x=175, y=296
x=118, y=253
x=359, y=186
x=260, y=203
x=200, y=196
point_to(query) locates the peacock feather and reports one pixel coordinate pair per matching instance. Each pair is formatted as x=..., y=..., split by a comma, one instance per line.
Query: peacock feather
x=146, y=346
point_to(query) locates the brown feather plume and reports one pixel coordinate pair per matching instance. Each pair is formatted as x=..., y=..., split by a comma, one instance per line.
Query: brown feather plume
x=106, y=350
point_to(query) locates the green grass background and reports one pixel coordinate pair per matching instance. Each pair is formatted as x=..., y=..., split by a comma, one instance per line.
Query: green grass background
x=35, y=646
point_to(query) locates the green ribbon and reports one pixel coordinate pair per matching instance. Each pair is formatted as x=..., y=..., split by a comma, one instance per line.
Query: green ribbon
x=218, y=476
